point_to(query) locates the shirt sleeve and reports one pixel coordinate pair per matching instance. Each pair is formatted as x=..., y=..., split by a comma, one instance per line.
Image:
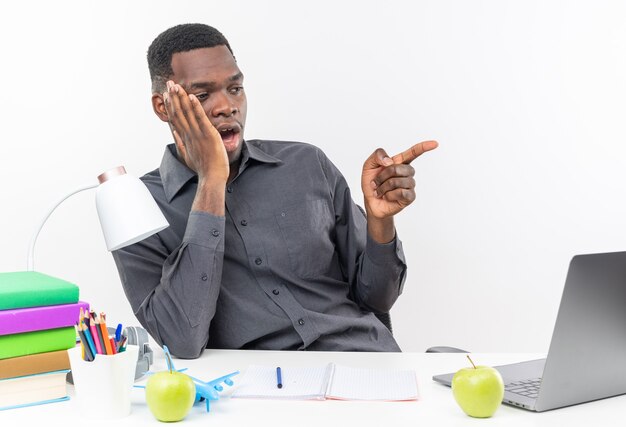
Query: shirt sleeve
x=376, y=272
x=174, y=295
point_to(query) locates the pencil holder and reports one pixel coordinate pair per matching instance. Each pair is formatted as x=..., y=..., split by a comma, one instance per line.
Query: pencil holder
x=103, y=386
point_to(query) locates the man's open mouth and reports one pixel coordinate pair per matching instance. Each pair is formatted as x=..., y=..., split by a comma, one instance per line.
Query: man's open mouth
x=229, y=135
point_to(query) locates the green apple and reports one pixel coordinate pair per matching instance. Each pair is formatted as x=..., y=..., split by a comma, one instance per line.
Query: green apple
x=478, y=390
x=170, y=395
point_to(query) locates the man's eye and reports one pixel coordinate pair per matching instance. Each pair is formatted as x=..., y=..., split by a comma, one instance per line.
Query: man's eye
x=236, y=90
x=201, y=96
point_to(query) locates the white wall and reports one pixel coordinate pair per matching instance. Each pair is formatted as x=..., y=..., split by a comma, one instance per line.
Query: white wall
x=527, y=99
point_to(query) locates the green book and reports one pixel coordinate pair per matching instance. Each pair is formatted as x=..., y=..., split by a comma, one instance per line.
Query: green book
x=16, y=345
x=23, y=289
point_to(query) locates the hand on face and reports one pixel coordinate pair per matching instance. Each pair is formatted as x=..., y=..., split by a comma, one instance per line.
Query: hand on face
x=197, y=140
x=387, y=183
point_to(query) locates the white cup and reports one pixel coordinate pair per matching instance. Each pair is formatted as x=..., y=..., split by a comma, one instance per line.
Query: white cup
x=103, y=386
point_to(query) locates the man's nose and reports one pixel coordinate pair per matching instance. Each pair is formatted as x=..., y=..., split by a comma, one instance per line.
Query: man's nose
x=223, y=106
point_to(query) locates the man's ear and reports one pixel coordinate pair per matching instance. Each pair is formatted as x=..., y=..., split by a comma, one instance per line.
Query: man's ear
x=158, y=105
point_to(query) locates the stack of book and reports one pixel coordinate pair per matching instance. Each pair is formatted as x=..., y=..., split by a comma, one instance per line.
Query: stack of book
x=37, y=317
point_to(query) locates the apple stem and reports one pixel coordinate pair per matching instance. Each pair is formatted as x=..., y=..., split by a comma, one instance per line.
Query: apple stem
x=470, y=359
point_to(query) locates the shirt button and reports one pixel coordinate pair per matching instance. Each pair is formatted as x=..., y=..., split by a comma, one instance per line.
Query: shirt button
x=229, y=189
x=204, y=277
x=282, y=214
x=300, y=322
x=215, y=233
x=275, y=292
x=244, y=222
x=258, y=261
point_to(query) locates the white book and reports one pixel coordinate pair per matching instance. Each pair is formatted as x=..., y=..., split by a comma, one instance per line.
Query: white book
x=328, y=382
x=35, y=389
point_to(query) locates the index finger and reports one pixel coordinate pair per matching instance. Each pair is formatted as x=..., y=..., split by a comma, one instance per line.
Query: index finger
x=203, y=121
x=414, y=152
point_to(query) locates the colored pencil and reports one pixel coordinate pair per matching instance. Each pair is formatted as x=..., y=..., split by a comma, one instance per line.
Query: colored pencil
x=94, y=336
x=105, y=334
x=87, y=355
x=100, y=337
x=92, y=346
x=112, y=340
x=120, y=345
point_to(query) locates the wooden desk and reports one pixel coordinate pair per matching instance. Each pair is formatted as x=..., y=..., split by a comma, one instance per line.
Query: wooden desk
x=435, y=408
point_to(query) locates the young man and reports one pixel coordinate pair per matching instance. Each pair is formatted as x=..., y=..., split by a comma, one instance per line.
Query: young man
x=265, y=249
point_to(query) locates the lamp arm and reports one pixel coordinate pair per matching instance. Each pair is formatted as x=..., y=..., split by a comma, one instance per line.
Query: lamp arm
x=30, y=261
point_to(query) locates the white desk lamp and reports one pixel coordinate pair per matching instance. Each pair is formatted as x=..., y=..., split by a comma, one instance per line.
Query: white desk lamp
x=127, y=211
x=128, y=214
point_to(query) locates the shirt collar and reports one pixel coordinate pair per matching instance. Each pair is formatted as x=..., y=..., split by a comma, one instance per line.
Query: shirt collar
x=253, y=151
x=175, y=174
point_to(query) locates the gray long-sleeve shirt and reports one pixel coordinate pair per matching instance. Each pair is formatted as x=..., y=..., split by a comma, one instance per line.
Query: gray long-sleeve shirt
x=290, y=266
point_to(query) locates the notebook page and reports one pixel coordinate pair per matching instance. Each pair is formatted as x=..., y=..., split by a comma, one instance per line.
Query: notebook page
x=303, y=383
x=372, y=384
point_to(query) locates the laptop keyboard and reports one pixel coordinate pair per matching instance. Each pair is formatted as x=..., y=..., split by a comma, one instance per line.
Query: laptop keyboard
x=528, y=388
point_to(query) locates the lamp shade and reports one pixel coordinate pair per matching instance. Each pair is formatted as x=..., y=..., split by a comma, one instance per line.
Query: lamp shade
x=127, y=210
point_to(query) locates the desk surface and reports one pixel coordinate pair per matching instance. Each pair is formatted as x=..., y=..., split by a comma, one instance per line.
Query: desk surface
x=436, y=406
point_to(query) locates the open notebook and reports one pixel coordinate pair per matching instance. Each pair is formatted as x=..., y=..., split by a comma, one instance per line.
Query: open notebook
x=328, y=382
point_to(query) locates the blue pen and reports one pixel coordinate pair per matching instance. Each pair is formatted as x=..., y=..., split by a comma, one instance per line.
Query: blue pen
x=118, y=332
x=279, y=378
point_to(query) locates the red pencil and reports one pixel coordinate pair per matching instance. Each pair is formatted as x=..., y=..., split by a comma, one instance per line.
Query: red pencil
x=94, y=336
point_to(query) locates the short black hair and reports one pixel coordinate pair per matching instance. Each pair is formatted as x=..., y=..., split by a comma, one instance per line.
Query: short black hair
x=181, y=38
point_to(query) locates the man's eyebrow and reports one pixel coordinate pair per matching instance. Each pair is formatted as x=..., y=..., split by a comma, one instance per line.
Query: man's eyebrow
x=238, y=76
x=211, y=85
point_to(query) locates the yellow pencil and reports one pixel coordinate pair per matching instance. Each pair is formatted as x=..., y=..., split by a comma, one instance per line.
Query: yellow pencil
x=82, y=347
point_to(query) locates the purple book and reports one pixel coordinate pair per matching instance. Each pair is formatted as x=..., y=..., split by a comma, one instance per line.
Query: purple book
x=18, y=320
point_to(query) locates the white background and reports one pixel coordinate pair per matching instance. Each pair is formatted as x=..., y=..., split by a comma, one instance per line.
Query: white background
x=527, y=100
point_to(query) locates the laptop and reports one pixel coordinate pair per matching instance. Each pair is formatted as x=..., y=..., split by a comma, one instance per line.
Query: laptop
x=587, y=356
